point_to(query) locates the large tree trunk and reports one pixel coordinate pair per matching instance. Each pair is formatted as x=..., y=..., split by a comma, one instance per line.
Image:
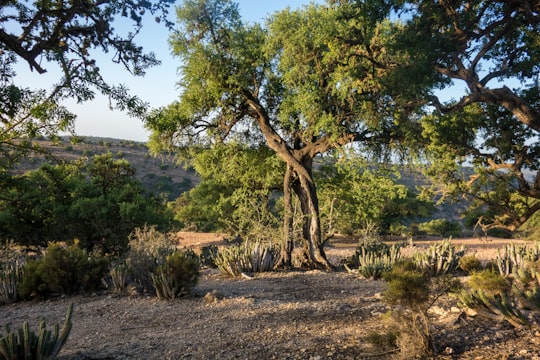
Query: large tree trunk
x=314, y=255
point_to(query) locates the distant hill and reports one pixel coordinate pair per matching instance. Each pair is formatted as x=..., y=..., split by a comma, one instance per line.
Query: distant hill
x=159, y=175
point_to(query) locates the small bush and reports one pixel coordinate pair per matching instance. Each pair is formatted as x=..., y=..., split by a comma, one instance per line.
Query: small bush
x=470, y=264
x=490, y=282
x=178, y=276
x=208, y=253
x=62, y=270
x=406, y=286
x=489, y=295
x=441, y=227
x=384, y=341
x=148, y=249
x=26, y=344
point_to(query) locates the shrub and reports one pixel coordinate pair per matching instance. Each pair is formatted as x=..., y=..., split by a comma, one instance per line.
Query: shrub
x=490, y=282
x=208, y=253
x=441, y=227
x=414, y=291
x=26, y=344
x=406, y=286
x=148, y=249
x=63, y=271
x=178, y=276
x=470, y=264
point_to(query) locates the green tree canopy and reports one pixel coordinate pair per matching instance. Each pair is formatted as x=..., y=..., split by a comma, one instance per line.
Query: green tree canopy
x=65, y=35
x=492, y=50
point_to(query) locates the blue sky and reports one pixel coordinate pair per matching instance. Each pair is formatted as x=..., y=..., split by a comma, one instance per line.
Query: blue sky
x=157, y=87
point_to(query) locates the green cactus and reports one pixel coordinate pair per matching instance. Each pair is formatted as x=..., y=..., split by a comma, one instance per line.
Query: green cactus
x=515, y=257
x=178, y=276
x=10, y=275
x=374, y=261
x=26, y=344
x=440, y=258
x=493, y=305
x=247, y=258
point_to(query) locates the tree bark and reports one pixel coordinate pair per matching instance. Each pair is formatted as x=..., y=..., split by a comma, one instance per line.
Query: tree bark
x=314, y=255
x=288, y=234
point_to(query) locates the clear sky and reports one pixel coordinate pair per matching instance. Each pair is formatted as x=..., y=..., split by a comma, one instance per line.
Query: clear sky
x=157, y=87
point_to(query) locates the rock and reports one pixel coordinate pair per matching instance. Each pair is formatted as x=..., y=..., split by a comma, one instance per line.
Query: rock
x=212, y=297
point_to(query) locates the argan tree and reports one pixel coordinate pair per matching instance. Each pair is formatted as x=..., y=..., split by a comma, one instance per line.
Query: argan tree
x=65, y=36
x=487, y=54
x=312, y=80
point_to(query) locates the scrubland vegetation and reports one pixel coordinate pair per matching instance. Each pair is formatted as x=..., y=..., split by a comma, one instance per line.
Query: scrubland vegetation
x=296, y=131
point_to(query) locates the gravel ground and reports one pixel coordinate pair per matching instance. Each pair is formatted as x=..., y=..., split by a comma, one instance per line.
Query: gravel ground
x=281, y=315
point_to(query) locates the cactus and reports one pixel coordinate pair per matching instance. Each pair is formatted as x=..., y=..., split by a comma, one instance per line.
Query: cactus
x=515, y=257
x=120, y=277
x=247, y=258
x=374, y=261
x=26, y=344
x=10, y=275
x=493, y=305
x=440, y=258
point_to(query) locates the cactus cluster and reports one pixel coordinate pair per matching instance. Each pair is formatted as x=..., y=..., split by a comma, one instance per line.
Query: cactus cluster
x=26, y=344
x=493, y=305
x=374, y=259
x=440, y=258
x=514, y=257
x=10, y=275
x=247, y=258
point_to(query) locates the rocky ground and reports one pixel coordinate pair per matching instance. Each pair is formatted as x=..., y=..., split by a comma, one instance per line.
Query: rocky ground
x=280, y=315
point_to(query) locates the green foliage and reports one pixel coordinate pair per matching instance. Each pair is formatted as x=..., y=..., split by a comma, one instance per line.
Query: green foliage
x=247, y=258
x=67, y=41
x=99, y=204
x=353, y=192
x=208, y=254
x=63, y=270
x=148, y=250
x=489, y=130
x=440, y=258
x=231, y=198
x=406, y=286
x=177, y=276
x=24, y=343
x=470, y=264
x=490, y=282
x=441, y=227
x=385, y=341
